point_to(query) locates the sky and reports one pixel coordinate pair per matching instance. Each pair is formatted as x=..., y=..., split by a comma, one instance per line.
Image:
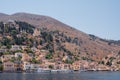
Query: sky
x=97, y=17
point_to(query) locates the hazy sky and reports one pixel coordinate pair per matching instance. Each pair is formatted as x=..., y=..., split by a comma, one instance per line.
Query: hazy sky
x=98, y=17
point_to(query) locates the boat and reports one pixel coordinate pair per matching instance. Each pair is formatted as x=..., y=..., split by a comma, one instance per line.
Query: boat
x=61, y=71
x=43, y=70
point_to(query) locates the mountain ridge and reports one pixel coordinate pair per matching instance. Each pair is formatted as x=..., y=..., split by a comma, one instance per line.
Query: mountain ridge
x=91, y=44
x=60, y=41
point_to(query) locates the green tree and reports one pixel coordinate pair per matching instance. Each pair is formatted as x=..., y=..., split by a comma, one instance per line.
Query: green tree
x=109, y=63
x=5, y=41
x=48, y=56
x=1, y=67
x=68, y=61
x=51, y=66
x=101, y=62
x=34, y=61
x=119, y=53
x=14, y=33
x=28, y=50
x=118, y=62
x=8, y=46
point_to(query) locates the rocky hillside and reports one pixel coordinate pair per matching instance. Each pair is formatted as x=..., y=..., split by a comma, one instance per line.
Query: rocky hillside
x=61, y=39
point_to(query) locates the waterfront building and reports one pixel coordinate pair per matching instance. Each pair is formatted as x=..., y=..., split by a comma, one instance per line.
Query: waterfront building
x=8, y=66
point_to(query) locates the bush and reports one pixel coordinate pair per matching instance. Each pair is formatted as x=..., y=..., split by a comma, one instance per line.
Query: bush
x=101, y=62
x=84, y=58
x=1, y=67
x=68, y=61
x=34, y=61
x=119, y=53
x=51, y=66
x=111, y=58
x=76, y=58
x=118, y=62
x=0, y=62
x=109, y=63
x=28, y=50
x=48, y=56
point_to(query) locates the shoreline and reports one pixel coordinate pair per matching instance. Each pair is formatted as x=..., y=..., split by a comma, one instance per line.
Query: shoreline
x=58, y=71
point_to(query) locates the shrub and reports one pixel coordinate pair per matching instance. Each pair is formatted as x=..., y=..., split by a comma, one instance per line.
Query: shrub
x=101, y=62
x=48, y=56
x=119, y=53
x=51, y=66
x=118, y=62
x=109, y=63
x=68, y=61
x=1, y=67
x=34, y=61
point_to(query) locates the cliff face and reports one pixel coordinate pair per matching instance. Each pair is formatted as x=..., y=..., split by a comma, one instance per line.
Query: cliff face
x=85, y=46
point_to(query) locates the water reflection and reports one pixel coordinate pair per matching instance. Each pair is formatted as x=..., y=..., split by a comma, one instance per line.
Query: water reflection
x=61, y=76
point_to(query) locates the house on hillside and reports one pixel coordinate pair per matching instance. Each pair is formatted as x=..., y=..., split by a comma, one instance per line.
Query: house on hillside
x=18, y=65
x=26, y=66
x=8, y=66
x=34, y=49
x=57, y=66
x=26, y=57
x=85, y=65
x=18, y=54
x=6, y=57
x=15, y=47
x=93, y=65
x=65, y=66
x=76, y=65
x=24, y=47
x=34, y=67
x=3, y=49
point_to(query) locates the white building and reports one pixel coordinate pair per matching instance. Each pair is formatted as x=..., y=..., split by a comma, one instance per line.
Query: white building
x=26, y=66
x=15, y=47
x=18, y=54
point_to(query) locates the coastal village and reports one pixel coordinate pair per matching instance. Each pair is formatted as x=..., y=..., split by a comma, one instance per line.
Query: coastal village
x=22, y=49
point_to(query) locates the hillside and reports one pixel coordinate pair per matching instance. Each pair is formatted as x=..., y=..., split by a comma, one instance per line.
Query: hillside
x=53, y=36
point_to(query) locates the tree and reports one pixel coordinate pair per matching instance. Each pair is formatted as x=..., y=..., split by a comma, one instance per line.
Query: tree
x=119, y=53
x=13, y=59
x=28, y=50
x=34, y=61
x=19, y=58
x=118, y=62
x=8, y=46
x=101, y=62
x=1, y=67
x=13, y=33
x=68, y=61
x=50, y=38
x=109, y=63
x=5, y=41
x=41, y=42
x=84, y=58
x=25, y=27
x=48, y=56
x=6, y=53
x=111, y=58
x=0, y=62
x=51, y=66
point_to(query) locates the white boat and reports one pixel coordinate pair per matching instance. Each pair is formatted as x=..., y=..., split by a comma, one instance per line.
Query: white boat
x=43, y=70
x=64, y=71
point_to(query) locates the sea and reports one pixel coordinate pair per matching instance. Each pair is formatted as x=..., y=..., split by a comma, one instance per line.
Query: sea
x=88, y=75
